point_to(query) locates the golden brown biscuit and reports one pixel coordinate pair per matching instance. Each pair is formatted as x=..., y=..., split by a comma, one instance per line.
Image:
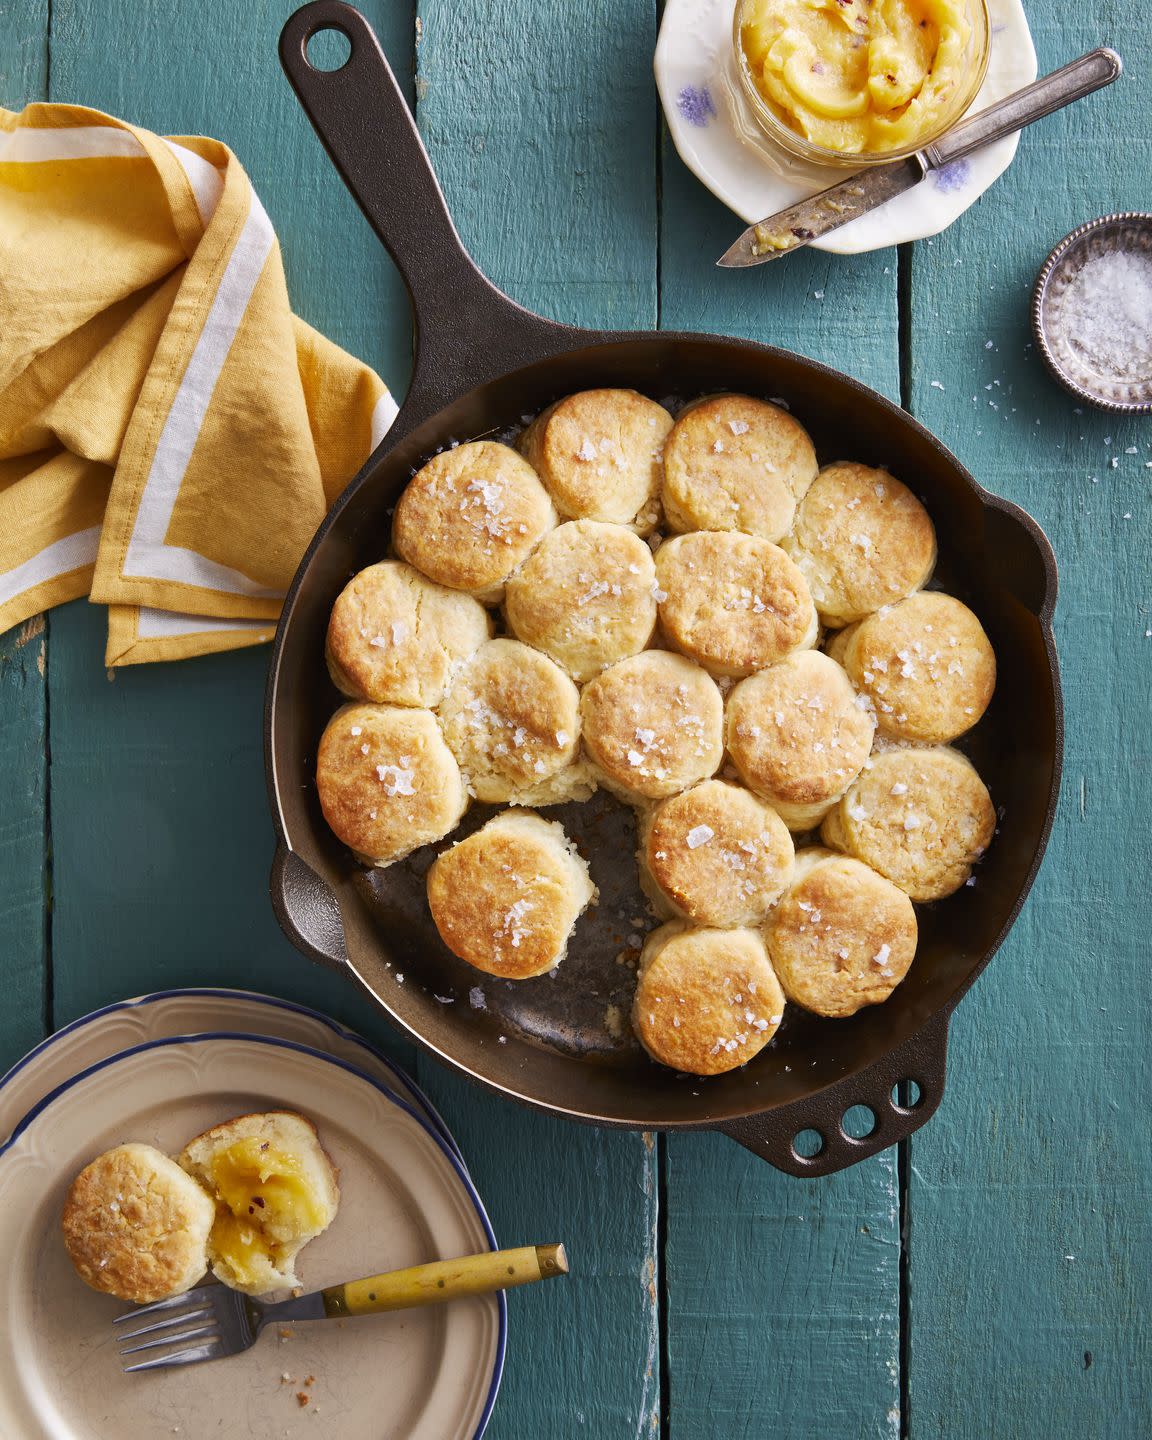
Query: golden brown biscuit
x=715, y=855
x=506, y=898
x=388, y=783
x=798, y=736
x=653, y=725
x=599, y=454
x=921, y=817
x=586, y=596
x=275, y=1189
x=512, y=720
x=136, y=1226
x=733, y=602
x=707, y=1001
x=470, y=516
x=395, y=637
x=926, y=665
x=862, y=539
x=734, y=463
x=842, y=937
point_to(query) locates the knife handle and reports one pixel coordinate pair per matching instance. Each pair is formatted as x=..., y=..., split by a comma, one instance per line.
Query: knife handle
x=1052, y=92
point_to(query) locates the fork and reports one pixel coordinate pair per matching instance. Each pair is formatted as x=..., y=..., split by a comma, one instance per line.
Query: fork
x=221, y=1321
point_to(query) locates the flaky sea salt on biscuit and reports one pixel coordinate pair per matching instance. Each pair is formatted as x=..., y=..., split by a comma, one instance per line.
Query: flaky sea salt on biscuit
x=387, y=781
x=512, y=720
x=920, y=816
x=798, y=735
x=715, y=855
x=926, y=665
x=707, y=1001
x=395, y=637
x=586, y=596
x=734, y=463
x=862, y=539
x=470, y=516
x=600, y=456
x=734, y=603
x=653, y=725
x=842, y=937
x=506, y=898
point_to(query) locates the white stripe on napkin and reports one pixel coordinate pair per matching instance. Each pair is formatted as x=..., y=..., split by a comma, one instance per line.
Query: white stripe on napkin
x=160, y=624
x=60, y=558
x=206, y=181
x=84, y=142
x=383, y=413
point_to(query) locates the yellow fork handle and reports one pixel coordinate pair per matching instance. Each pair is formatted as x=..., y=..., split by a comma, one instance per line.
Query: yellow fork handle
x=446, y=1280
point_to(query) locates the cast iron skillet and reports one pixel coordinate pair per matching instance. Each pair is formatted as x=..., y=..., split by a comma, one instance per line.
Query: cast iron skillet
x=482, y=363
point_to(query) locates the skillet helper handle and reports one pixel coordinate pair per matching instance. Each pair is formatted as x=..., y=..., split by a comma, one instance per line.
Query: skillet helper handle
x=306, y=909
x=884, y=1088
x=446, y=1280
x=1051, y=92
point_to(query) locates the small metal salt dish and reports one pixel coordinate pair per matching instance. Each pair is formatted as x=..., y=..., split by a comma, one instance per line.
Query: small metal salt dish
x=1064, y=351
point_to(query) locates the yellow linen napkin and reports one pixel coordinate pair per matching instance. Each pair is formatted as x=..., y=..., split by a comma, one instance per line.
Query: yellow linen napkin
x=171, y=435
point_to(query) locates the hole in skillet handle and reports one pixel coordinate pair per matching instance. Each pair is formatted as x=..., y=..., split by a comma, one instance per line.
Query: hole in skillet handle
x=328, y=48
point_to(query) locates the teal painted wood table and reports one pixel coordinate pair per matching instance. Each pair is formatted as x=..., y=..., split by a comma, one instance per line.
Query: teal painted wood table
x=992, y=1278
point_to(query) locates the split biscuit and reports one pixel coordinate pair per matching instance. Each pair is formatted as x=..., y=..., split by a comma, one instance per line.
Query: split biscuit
x=926, y=665
x=387, y=781
x=715, y=855
x=707, y=1001
x=862, y=539
x=586, y=596
x=600, y=456
x=653, y=725
x=734, y=463
x=920, y=816
x=798, y=735
x=506, y=898
x=512, y=720
x=470, y=516
x=733, y=602
x=842, y=937
x=135, y=1225
x=395, y=637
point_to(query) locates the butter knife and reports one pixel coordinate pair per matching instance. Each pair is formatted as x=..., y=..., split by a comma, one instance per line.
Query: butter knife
x=808, y=219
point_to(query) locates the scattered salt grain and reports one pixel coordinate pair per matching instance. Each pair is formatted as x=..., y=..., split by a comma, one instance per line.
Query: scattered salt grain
x=699, y=835
x=476, y=998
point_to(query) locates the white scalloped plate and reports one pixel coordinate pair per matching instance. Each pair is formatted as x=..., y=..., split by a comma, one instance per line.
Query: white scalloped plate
x=165, y=1013
x=717, y=138
x=427, y=1374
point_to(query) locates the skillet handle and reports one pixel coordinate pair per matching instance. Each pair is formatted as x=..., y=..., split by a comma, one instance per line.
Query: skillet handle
x=771, y=1133
x=467, y=330
x=307, y=909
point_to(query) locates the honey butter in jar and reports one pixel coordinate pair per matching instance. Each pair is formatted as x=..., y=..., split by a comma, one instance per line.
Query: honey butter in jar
x=858, y=82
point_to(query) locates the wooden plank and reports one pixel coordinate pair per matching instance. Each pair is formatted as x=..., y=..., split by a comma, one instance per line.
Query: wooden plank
x=1029, y=1193
x=783, y=1310
x=540, y=122
x=163, y=839
x=24, y=890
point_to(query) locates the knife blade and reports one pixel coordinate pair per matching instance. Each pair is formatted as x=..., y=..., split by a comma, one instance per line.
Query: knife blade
x=820, y=214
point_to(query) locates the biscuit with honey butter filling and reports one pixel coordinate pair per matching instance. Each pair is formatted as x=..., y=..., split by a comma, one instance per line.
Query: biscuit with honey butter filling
x=274, y=1189
x=922, y=817
x=135, y=1225
x=599, y=454
x=862, y=539
x=512, y=720
x=707, y=1001
x=715, y=855
x=653, y=725
x=733, y=602
x=388, y=783
x=585, y=596
x=798, y=735
x=842, y=937
x=506, y=898
x=734, y=463
x=395, y=637
x=470, y=516
x=926, y=665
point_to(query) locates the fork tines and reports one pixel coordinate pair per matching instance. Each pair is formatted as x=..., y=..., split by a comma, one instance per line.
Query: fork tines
x=181, y=1319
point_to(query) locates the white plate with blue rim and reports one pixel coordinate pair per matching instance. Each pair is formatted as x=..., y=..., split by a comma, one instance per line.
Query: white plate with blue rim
x=165, y=1013
x=713, y=130
x=429, y=1374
